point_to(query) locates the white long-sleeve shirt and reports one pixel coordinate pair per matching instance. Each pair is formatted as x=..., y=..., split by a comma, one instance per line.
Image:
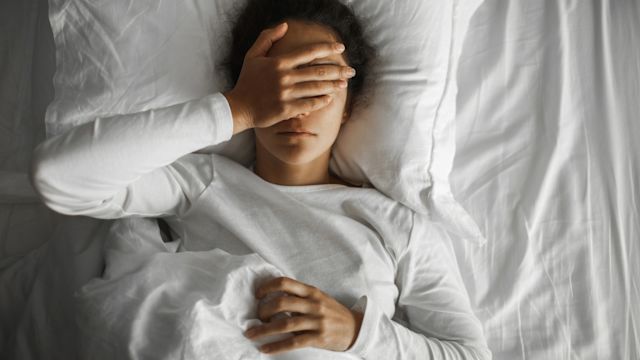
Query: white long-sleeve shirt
x=366, y=250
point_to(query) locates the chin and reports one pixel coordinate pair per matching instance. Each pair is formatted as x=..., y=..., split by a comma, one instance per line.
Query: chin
x=296, y=159
x=296, y=155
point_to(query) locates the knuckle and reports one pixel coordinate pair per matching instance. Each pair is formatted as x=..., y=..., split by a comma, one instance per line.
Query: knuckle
x=314, y=290
x=283, y=326
x=284, y=79
x=322, y=309
x=292, y=324
x=283, y=95
x=279, y=63
x=279, y=303
x=317, y=308
x=322, y=327
x=321, y=72
x=298, y=320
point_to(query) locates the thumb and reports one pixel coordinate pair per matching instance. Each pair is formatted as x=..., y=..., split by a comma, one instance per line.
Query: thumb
x=266, y=40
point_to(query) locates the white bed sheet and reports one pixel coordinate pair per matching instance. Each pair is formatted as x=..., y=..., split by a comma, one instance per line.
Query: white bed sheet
x=44, y=257
x=548, y=164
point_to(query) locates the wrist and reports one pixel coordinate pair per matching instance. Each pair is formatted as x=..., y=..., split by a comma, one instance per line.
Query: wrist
x=241, y=121
x=358, y=317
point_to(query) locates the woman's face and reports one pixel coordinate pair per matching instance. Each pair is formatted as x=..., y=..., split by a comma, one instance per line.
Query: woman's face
x=323, y=123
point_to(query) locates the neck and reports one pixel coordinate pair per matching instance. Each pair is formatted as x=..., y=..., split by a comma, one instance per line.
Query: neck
x=275, y=171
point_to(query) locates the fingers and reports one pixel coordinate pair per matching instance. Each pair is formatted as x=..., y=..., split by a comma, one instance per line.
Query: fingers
x=287, y=325
x=288, y=304
x=319, y=72
x=292, y=343
x=314, y=88
x=309, y=53
x=288, y=285
x=265, y=40
x=308, y=105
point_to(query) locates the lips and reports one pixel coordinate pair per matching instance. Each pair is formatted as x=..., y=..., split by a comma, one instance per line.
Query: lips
x=293, y=126
x=296, y=131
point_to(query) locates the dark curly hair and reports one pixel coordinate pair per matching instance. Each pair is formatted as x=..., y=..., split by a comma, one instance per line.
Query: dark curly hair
x=258, y=15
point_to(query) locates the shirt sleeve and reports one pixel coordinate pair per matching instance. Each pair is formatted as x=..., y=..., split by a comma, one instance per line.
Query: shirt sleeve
x=441, y=323
x=134, y=164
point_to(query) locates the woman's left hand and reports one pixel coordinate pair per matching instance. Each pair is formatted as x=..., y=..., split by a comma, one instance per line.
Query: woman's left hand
x=322, y=321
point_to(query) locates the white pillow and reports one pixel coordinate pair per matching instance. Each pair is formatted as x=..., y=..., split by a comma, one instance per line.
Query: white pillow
x=128, y=56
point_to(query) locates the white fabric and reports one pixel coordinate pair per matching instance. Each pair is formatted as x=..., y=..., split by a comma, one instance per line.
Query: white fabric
x=103, y=186
x=352, y=243
x=549, y=164
x=120, y=57
x=520, y=56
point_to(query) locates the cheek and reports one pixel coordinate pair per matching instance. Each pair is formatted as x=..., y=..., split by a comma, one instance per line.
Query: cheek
x=339, y=99
x=332, y=113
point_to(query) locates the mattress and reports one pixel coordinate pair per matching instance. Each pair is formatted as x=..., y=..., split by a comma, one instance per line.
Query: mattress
x=547, y=164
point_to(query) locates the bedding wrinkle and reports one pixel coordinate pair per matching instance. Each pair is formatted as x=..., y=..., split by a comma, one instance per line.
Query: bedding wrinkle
x=618, y=172
x=566, y=210
x=103, y=30
x=133, y=20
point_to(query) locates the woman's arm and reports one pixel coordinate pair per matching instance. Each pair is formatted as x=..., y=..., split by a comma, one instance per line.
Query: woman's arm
x=441, y=322
x=124, y=165
x=133, y=164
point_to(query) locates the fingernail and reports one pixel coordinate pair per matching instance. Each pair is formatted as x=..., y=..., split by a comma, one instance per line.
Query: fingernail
x=340, y=47
x=342, y=84
x=351, y=72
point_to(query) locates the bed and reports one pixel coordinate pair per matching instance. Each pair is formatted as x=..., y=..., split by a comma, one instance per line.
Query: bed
x=547, y=164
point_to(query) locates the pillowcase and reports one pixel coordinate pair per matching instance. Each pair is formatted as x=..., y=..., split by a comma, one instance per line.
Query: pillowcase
x=117, y=57
x=403, y=142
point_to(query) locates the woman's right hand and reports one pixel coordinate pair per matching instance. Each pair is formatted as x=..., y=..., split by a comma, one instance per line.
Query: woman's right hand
x=273, y=89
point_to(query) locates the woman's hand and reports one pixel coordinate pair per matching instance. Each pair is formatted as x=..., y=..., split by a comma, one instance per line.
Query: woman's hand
x=322, y=322
x=272, y=89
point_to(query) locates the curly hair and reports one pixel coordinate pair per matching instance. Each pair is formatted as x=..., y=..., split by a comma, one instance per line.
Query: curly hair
x=258, y=15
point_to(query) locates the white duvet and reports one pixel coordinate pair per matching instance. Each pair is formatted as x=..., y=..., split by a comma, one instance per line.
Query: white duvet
x=152, y=303
x=548, y=164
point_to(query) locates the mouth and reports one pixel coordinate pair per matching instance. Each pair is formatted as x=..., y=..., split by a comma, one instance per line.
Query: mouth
x=296, y=133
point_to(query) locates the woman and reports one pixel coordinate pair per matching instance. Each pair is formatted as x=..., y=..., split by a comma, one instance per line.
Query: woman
x=368, y=277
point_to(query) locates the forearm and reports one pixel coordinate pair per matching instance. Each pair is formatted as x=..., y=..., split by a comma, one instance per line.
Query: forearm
x=99, y=158
x=381, y=337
